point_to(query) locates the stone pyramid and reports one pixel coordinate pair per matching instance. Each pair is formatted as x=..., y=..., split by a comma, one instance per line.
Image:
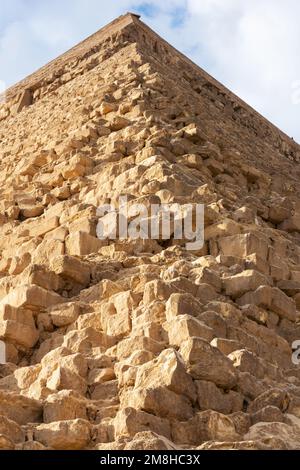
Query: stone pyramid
x=140, y=343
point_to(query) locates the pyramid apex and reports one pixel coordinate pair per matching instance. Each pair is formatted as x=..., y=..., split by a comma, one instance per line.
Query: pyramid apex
x=135, y=15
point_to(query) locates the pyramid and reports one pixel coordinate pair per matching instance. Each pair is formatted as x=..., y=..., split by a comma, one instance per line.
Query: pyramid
x=131, y=343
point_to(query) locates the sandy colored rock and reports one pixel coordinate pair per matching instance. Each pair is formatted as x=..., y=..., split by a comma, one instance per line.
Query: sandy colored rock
x=129, y=343
x=64, y=435
x=19, y=409
x=31, y=297
x=64, y=406
x=205, y=362
x=236, y=286
x=166, y=370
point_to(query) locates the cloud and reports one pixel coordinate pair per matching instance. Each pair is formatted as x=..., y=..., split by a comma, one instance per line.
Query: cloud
x=252, y=47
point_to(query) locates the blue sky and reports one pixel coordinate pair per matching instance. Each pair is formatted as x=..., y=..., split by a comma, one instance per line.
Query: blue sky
x=253, y=46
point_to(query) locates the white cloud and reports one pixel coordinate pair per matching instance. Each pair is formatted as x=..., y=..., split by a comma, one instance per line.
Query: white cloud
x=252, y=47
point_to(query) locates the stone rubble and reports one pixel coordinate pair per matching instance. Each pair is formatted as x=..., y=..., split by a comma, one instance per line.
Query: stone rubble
x=141, y=344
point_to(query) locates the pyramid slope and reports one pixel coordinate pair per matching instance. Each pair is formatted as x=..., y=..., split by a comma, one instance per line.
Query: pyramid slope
x=142, y=344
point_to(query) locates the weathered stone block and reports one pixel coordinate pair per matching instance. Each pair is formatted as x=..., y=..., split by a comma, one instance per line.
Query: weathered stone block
x=184, y=327
x=81, y=243
x=244, y=245
x=71, y=268
x=182, y=304
x=31, y=297
x=236, y=286
x=205, y=362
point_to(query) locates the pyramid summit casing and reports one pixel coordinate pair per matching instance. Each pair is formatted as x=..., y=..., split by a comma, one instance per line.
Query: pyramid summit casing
x=140, y=344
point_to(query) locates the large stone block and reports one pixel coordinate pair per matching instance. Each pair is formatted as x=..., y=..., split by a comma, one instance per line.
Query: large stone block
x=31, y=297
x=236, y=286
x=273, y=299
x=64, y=435
x=71, y=268
x=39, y=228
x=247, y=361
x=17, y=326
x=210, y=397
x=274, y=397
x=225, y=228
x=11, y=430
x=159, y=401
x=243, y=245
x=205, y=362
x=182, y=304
x=20, y=409
x=138, y=343
x=184, y=327
x=167, y=370
x=292, y=224
x=81, y=243
x=156, y=290
x=288, y=435
x=205, y=426
x=129, y=422
x=63, y=406
x=46, y=250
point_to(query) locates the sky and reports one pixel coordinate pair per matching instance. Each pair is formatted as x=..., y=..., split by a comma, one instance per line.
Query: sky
x=252, y=47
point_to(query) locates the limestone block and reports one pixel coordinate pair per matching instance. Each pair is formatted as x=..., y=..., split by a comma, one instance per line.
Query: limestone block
x=272, y=397
x=226, y=346
x=65, y=314
x=42, y=277
x=184, y=327
x=156, y=290
x=249, y=280
x=20, y=409
x=25, y=100
x=130, y=421
x=205, y=426
x=289, y=435
x=289, y=287
x=182, y=304
x=225, y=228
x=210, y=397
x=19, y=333
x=78, y=165
x=81, y=243
x=83, y=340
x=11, y=430
x=292, y=224
x=166, y=370
x=71, y=268
x=243, y=245
x=210, y=277
x=47, y=250
x=273, y=299
x=108, y=391
x=63, y=406
x=41, y=227
x=137, y=343
x=159, y=401
x=19, y=264
x=31, y=297
x=215, y=321
x=64, y=435
x=149, y=440
x=246, y=361
x=205, y=362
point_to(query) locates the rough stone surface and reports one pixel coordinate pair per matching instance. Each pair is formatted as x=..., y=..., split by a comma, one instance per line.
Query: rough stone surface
x=141, y=344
